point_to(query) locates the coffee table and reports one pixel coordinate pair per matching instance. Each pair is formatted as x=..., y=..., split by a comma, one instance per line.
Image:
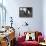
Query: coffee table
x=42, y=44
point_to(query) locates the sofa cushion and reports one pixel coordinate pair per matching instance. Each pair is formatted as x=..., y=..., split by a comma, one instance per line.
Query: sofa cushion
x=29, y=43
x=37, y=34
x=21, y=38
x=29, y=34
x=32, y=35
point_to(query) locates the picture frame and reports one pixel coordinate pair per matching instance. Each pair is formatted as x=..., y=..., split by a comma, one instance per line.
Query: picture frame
x=25, y=12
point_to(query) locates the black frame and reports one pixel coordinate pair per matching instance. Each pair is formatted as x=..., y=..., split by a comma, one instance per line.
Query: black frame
x=25, y=13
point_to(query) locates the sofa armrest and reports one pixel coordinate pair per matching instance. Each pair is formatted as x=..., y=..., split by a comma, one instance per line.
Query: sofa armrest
x=41, y=39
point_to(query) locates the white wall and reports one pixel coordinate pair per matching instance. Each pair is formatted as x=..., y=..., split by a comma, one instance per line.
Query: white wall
x=44, y=17
x=35, y=23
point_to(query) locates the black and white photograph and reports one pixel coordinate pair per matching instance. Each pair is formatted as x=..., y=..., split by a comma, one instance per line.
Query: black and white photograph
x=25, y=11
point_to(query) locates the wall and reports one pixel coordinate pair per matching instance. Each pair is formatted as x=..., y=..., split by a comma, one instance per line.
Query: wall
x=35, y=23
x=44, y=17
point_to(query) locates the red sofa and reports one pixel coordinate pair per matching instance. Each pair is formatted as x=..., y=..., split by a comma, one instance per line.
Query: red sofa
x=23, y=42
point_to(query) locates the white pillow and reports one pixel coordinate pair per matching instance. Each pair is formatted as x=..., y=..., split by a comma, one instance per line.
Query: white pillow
x=27, y=36
x=33, y=36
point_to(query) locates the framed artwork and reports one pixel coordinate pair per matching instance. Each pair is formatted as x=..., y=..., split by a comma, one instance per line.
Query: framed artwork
x=25, y=12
